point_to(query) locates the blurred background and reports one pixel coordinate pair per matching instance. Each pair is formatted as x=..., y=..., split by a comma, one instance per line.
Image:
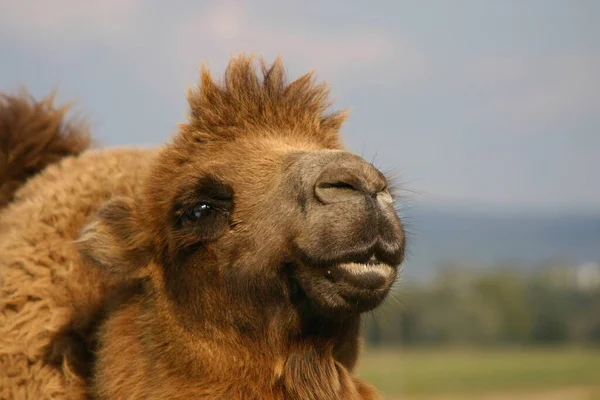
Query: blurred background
x=487, y=112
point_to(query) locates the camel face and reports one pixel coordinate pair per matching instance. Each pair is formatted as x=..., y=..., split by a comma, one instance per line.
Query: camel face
x=254, y=203
x=276, y=221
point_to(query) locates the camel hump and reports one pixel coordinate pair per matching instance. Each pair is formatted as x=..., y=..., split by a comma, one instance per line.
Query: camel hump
x=33, y=135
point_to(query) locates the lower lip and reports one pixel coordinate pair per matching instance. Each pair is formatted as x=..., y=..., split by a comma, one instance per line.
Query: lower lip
x=367, y=276
x=358, y=269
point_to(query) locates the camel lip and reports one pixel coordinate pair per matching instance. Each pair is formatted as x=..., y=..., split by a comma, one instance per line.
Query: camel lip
x=370, y=275
x=342, y=289
x=370, y=267
x=376, y=253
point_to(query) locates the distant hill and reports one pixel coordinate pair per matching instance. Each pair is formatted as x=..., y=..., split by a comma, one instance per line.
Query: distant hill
x=440, y=236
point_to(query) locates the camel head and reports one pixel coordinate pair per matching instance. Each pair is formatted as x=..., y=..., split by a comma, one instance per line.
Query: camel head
x=253, y=217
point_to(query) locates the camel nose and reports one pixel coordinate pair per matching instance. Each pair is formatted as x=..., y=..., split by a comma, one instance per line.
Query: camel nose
x=349, y=178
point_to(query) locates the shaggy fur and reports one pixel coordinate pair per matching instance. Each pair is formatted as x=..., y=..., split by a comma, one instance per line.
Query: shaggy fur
x=212, y=268
x=33, y=135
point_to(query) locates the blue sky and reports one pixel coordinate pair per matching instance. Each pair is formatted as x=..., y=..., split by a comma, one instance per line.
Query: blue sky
x=483, y=104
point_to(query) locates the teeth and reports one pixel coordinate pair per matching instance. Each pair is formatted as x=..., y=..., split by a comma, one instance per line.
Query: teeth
x=368, y=268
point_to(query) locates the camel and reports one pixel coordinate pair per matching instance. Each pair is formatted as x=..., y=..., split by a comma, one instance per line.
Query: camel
x=234, y=262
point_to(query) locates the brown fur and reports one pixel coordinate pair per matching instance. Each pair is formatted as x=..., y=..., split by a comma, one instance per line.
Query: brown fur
x=246, y=301
x=33, y=135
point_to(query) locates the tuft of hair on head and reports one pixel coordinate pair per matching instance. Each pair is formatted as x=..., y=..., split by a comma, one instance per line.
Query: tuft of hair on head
x=248, y=99
x=33, y=135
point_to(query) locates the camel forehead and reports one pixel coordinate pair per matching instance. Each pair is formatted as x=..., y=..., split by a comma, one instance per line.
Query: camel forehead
x=243, y=156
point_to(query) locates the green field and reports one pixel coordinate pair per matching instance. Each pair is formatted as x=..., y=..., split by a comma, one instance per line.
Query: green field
x=474, y=374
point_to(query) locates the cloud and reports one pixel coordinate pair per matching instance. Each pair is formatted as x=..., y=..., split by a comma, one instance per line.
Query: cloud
x=538, y=92
x=231, y=27
x=69, y=24
x=160, y=50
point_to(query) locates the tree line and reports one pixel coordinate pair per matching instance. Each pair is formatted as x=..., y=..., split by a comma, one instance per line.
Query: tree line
x=489, y=307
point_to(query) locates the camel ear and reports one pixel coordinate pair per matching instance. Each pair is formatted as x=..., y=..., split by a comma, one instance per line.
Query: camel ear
x=114, y=240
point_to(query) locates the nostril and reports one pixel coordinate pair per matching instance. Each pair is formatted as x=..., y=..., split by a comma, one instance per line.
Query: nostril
x=335, y=191
x=336, y=185
x=349, y=179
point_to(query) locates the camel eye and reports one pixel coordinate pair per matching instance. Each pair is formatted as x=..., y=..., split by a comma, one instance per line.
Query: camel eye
x=200, y=211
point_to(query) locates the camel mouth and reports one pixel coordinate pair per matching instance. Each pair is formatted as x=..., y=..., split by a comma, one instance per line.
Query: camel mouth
x=346, y=288
x=370, y=275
